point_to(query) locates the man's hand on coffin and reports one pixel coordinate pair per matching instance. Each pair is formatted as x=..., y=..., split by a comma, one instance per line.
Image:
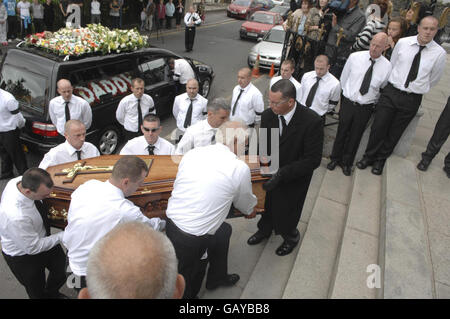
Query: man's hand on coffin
x=273, y=182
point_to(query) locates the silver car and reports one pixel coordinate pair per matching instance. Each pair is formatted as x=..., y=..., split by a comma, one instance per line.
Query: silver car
x=269, y=49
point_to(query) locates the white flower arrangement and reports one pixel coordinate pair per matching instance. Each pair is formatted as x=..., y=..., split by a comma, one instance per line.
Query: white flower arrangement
x=95, y=38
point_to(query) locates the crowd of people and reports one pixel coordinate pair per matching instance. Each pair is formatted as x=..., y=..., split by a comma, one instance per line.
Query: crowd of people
x=106, y=234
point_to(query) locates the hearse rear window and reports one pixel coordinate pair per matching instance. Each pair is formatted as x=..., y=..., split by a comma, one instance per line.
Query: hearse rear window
x=102, y=83
x=27, y=87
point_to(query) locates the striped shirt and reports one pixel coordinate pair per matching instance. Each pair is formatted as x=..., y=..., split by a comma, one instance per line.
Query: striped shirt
x=365, y=36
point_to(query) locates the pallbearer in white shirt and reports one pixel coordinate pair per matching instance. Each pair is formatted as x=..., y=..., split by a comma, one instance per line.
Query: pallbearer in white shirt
x=189, y=108
x=191, y=20
x=96, y=207
x=182, y=71
x=364, y=74
x=417, y=64
x=286, y=71
x=208, y=181
x=11, y=121
x=27, y=245
x=133, y=108
x=73, y=149
x=67, y=106
x=247, y=101
x=150, y=143
x=203, y=133
x=320, y=89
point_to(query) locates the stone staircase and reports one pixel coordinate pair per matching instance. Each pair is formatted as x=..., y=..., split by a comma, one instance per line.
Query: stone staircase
x=362, y=236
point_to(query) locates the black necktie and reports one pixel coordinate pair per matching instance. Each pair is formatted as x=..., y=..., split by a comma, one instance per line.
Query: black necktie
x=412, y=75
x=67, y=110
x=367, y=78
x=283, y=122
x=78, y=154
x=312, y=93
x=188, y=119
x=150, y=149
x=43, y=209
x=235, y=103
x=213, y=138
x=139, y=114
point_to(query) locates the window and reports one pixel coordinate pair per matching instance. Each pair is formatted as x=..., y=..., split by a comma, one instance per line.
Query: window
x=153, y=71
x=29, y=88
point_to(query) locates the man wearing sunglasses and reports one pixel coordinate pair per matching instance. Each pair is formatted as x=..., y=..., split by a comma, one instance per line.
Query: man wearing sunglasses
x=150, y=143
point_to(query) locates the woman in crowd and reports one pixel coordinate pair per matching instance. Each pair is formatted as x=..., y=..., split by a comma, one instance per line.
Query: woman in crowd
x=179, y=10
x=49, y=15
x=3, y=19
x=114, y=14
x=395, y=30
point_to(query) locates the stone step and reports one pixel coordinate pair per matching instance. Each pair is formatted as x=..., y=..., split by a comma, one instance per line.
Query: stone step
x=313, y=269
x=404, y=248
x=360, y=242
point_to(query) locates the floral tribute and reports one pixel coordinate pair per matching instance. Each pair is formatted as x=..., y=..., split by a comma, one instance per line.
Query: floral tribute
x=94, y=39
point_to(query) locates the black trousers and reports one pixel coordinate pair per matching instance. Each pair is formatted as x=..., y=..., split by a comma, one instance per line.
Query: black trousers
x=190, y=249
x=189, y=37
x=13, y=25
x=30, y=272
x=440, y=135
x=11, y=152
x=353, y=120
x=393, y=113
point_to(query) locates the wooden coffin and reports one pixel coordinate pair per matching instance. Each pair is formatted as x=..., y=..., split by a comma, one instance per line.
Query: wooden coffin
x=151, y=197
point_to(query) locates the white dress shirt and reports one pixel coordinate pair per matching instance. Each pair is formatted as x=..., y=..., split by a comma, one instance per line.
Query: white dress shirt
x=181, y=106
x=250, y=104
x=139, y=146
x=22, y=230
x=127, y=113
x=297, y=85
x=208, y=181
x=327, y=94
x=431, y=67
x=10, y=117
x=197, y=135
x=96, y=208
x=79, y=109
x=192, y=19
x=353, y=75
x=65, y=153
x=182, y=71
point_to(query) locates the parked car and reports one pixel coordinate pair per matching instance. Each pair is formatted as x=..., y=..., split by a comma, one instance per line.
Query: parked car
x=259, y=24
x=31, y=74
x=269, y=49
x=245, y=8
x=282, y=10
x=281, y=2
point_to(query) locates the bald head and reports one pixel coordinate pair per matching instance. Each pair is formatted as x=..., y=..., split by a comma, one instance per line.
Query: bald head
x=427, y=29
x=133, y=261
x=64, y=88
x=244, y=77
x=378, y=45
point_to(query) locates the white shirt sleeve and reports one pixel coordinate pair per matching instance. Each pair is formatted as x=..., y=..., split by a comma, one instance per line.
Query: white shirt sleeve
x=120, y=112
x=46, y=161
x=438, y=69
x=258, y=106
x=244, y=199
x=186, y=143
x=176, y=107
x=86, y=114
x=334, y=96
x=52, y=114
x=26, y=238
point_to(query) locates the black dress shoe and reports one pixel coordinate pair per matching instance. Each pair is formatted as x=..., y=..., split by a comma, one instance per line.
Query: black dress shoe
x=347, y=170
x=286, y=248
x=423, y=165
x=256, y=238
x=229, y=280
x=362, y=164
x=332, y=165
x=377, y=168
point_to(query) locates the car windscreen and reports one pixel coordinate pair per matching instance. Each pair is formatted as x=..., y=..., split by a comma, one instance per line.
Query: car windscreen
x=30, y=89
x=276, y=36
x=262, y=18
x=243, y=3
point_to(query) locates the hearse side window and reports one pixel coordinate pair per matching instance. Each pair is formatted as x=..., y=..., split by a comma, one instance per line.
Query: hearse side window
x=153, y=71
x=27, y=87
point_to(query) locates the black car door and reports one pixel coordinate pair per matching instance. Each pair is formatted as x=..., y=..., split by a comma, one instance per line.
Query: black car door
x=158, y=84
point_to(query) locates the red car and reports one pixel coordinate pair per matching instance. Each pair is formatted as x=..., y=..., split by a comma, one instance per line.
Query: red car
x=259, y=24
x=244, y=8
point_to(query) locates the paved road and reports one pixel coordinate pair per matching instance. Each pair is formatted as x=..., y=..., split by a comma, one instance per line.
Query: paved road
x=217, y=43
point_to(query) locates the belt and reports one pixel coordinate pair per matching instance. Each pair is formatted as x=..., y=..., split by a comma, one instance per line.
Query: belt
x=403, y=92
x=371, y=105
x=205, y=236
x=251, y=125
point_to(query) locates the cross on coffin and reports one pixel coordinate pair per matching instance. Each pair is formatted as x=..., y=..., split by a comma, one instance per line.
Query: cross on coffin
x=82, y=168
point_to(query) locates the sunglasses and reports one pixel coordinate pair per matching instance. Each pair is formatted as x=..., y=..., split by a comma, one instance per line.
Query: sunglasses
x=153, y=130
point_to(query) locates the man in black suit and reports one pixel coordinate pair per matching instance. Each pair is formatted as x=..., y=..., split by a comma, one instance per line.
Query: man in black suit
x=299, y=151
